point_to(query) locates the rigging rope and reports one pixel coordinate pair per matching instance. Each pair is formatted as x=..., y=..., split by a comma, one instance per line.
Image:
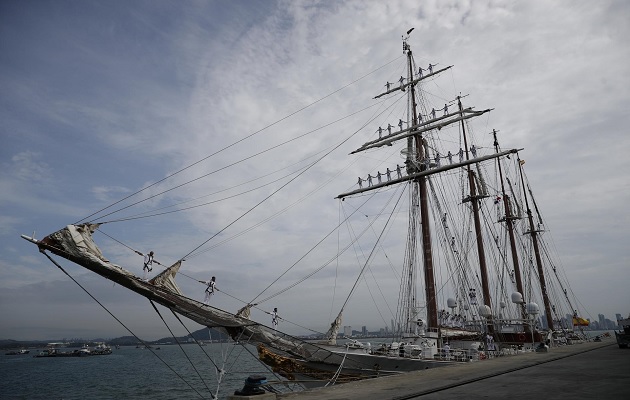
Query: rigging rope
x=367, y=261
x=320, y=268
x=352, y=234
x=333, y=379
x=180, y=346
x=227, y=294
x=279, y=189
x=301, y=258
x=279, y=212
x=119, y=321
x=147, y=213
x=253, y=305
x=240, y=140
x=191, y=335
x=243, y=160
x=266, y=367
x=135, y=251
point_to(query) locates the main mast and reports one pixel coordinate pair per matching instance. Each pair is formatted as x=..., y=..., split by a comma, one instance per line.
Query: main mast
x=421, y=181
x=509, y=224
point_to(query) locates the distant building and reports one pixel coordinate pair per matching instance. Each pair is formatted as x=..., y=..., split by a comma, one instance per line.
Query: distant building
x=364, y=330
x=542, y=321
x=347, y=331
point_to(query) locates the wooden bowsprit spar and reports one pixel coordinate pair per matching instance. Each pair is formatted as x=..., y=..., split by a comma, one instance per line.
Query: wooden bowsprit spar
x=75, y=243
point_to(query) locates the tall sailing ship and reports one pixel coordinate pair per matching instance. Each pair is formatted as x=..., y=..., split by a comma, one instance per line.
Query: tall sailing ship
x=474, y=268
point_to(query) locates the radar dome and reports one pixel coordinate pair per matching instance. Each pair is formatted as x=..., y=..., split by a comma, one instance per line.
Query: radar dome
x=451, y=302
x=485, y=311
x=517, y=298
x=532, y=308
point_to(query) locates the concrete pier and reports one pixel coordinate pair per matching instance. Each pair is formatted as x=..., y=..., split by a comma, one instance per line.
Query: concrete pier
x=594, y=370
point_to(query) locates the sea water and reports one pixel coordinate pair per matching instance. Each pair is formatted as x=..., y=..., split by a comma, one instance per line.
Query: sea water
x=137, y=373
x=171, y=372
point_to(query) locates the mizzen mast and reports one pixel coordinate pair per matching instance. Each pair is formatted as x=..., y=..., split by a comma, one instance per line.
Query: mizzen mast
x=541, y=275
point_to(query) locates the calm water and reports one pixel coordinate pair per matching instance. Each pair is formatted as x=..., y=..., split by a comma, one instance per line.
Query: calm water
x=132, y=373
x=129, y=373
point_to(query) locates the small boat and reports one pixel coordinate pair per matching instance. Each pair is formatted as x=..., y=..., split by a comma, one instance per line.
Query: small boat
x=50, y=353
x=17, y=352
x=101, y=349
x=82, y=352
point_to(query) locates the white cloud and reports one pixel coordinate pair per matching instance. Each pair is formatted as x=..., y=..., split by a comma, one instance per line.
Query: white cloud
x=132, y=101
x=109, y=193
x=27, y=167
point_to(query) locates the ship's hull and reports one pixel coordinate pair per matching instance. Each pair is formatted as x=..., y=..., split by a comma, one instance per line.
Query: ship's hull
x=354, y=366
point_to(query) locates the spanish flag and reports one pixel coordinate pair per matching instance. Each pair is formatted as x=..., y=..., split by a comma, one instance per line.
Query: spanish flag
x=579, y=321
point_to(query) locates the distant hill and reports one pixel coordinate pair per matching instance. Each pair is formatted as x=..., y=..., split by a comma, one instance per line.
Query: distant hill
x=14, y=344
x=7, y=343
x=204, y=334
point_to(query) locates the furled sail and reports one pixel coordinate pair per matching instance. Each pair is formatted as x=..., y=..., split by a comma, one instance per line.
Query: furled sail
x=246, y=311
x=167, y=278
x=331, y=335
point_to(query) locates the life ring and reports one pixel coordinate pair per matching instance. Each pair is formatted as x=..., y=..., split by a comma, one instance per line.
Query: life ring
x=521, y=337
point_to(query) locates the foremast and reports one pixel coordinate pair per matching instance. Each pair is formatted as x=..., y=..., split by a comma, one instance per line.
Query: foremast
x=474, y=200
x=427, y=253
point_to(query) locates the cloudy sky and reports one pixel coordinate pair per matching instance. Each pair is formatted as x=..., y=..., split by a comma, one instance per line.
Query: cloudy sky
x=101, y=99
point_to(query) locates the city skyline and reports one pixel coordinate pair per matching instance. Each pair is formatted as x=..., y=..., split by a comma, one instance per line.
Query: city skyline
x=594, y=326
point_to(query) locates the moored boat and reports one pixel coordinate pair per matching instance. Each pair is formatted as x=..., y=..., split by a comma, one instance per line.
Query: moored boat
x=82, y=352
x=17, y=352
